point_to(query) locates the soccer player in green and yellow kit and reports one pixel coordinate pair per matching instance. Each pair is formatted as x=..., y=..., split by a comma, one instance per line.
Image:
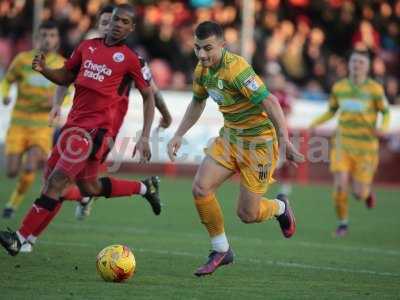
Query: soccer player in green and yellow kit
x=355, y=146
x=248, y=143
x=29, y=138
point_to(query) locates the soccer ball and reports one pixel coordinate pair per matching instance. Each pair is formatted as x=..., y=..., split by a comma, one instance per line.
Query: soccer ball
x=115, y=263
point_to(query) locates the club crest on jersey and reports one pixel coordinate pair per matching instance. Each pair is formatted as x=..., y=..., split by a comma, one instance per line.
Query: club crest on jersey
x=251, y=83
x=216, y=96
x=118, y=57
x=220, y=84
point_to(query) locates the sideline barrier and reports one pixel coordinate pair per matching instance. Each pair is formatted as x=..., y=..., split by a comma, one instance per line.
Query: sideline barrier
x=208, y=126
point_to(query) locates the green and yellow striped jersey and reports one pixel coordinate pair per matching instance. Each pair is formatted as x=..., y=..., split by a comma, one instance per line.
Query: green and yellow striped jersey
x=238, y=91
x=358, y=111
x=35, y=92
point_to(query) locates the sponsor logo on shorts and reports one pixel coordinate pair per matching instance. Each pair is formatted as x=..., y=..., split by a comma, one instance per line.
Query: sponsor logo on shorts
x=263, y=171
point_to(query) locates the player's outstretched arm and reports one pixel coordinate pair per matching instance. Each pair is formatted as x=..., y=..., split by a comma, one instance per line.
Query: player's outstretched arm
x=326, y=116
x=58, y=99
x=143, y=145
x=333, y=107
x=166, y=118
x=383, y=107
x=12, y=75
x=192, y=115
x=61, y=76
x=275, y=113
x=384, y=127
x=148, y=111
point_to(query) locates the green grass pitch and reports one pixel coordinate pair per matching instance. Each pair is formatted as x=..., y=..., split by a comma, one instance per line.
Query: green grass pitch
x=168, y=248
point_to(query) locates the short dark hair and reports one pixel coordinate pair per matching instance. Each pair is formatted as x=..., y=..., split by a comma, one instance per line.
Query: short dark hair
x=129, y=8
x=207, y=29
x=49, y=24
x=107, y=9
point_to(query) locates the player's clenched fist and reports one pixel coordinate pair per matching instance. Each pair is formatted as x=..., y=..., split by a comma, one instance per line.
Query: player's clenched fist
x=173, y=147
x=38, y=62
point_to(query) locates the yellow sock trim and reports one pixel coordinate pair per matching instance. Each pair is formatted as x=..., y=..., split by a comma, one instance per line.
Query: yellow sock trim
x=210, y=214
x=23, y=185
x=268, y=210
x=341, y=205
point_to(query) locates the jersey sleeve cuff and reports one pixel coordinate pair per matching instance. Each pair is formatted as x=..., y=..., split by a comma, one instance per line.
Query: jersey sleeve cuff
x=198, y=98
x=259, y=97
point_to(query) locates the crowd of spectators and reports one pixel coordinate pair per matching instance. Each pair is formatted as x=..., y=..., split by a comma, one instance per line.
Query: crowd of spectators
x=308, y=40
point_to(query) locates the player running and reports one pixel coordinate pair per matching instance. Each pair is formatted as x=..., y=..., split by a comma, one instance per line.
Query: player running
x=355, y=146
x=248, y=142
x=84, y=204
x=28, y=140
x=101, y=69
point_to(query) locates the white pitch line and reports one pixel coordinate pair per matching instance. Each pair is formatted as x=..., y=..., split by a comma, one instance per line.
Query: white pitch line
x=233, y=237
x=350, y=248
x=250, y=260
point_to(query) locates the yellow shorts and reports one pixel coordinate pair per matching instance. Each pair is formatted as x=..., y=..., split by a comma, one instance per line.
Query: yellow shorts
x=20, y=138
x=256, y=166
x=361, y=167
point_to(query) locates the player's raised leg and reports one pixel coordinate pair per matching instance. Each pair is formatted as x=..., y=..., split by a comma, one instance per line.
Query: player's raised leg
x=340, y=199
x=111, y=187
x=362, y=191
x=44, y=206
x=256, y=170
x=209, y=177
x=254, y=208
x=362, y=179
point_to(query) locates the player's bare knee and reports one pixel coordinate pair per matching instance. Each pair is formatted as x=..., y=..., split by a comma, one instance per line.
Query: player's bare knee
x=57, y=181
x=340, y=188
x=247, y=216
x=30, y=168
x=199, y=190
x=360, y=194
x=90, y=188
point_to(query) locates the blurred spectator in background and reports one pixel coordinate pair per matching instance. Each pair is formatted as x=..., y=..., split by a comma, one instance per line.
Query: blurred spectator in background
x=393, y=90
x=366, y=37
x=308, y=39
x=276, y=83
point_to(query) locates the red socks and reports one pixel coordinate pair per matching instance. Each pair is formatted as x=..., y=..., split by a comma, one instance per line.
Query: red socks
x=45, y=208
x=47, y=221
x=42, y=209
x=111, y=187
x=114, y=187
